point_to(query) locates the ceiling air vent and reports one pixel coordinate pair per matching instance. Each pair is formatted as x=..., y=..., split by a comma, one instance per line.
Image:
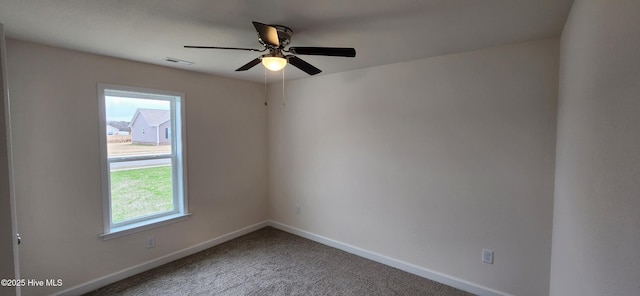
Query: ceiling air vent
x=178, y=61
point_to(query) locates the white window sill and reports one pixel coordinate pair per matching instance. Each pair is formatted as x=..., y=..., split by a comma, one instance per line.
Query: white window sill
x=144, y=225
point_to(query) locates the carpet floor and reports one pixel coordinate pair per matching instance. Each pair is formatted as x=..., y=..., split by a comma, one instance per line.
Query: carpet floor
x=273, y=262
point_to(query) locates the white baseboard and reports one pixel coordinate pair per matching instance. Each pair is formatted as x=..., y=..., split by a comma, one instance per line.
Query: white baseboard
x=405, y=266
x=120, y=275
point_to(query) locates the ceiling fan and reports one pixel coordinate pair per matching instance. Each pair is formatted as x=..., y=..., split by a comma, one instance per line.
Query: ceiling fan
x=275, y=38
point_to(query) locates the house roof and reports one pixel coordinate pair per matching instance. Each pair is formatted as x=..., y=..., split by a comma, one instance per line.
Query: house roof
x=121, y=125
x=154, y=117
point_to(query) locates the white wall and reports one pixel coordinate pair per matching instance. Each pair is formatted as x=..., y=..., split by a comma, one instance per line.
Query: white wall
x=55, y=128
x=427, y=161
x=596, y=231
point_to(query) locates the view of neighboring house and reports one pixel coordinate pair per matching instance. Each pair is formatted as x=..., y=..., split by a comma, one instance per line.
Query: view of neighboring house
x=112, y=130
x=150, y=127
x=122, y=126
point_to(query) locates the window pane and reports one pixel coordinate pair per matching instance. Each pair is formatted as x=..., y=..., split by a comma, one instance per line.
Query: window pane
x=137, y=126
x=138, y=191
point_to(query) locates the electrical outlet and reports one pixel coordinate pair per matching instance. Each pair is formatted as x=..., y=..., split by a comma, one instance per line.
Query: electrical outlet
x=487, y=256
x=151, y=242
x=298, y=209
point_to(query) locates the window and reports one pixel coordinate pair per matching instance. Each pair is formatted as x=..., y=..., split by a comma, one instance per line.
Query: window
x=143, y=173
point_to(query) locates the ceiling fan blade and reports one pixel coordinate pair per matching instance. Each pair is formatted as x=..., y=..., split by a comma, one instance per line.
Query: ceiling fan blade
x=268, y=34
x=302, y=65
x=325, y=51
x=249, y=65
x=218, y=47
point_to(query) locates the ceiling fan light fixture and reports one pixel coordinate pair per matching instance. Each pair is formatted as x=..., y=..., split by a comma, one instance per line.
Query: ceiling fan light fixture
x=274, y=63
x=275, y=39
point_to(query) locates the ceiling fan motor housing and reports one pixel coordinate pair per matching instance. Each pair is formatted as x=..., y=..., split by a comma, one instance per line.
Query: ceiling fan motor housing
x=274, y=52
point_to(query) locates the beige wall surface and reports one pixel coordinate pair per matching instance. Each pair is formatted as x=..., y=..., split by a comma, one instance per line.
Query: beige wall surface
x=57, y=161
x=7, y=239
x=427, y=161
x=596, y=230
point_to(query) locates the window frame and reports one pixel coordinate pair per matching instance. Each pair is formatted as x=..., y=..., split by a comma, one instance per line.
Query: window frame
x=178, y=160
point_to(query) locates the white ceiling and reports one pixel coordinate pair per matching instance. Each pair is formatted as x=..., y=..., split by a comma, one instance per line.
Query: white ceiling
x=381, y=31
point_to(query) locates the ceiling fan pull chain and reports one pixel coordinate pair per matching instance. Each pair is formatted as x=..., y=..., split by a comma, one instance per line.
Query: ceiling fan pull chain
x=284, y=103
x=265, y=86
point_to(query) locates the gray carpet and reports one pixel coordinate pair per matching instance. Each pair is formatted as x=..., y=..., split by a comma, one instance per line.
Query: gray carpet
x=273, y=262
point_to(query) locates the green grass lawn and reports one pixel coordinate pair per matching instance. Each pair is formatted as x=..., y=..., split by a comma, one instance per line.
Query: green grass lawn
x=140, y=192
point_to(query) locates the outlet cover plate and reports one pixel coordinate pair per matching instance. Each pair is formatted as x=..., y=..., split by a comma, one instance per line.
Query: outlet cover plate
x=151, y=242
x=487, y=256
